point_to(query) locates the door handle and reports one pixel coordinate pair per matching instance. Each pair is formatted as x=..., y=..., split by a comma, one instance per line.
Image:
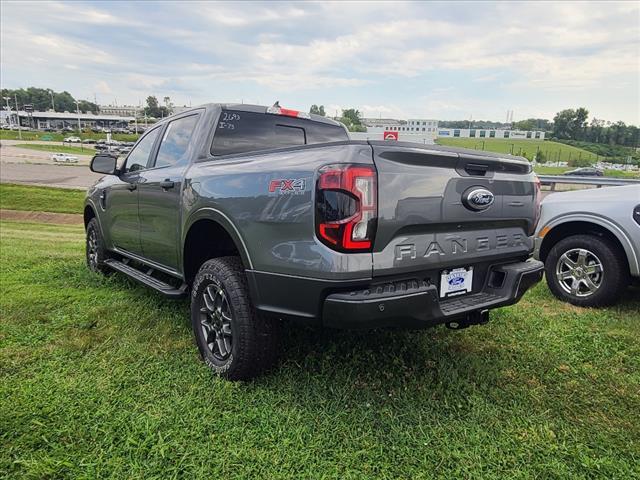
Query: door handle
x=132, y=187
x=166, y=183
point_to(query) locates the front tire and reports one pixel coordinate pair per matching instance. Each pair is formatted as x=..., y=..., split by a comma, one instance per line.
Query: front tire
x=233, y=340
x=95, y=251
x=586, y=270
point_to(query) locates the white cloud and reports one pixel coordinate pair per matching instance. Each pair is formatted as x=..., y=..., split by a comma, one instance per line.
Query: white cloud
x=102, y=87
x=372, y=56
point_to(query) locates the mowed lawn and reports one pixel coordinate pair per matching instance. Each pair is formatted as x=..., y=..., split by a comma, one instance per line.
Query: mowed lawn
x=58, y=137
x=99, y=378
x=80, y=150
x=48, y=199
x=553, y=151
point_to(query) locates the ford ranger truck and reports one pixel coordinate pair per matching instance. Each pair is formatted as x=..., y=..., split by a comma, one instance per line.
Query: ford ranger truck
x=262, y=214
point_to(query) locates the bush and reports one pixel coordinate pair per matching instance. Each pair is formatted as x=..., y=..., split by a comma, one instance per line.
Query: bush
x=580, y=162
x=541, y=157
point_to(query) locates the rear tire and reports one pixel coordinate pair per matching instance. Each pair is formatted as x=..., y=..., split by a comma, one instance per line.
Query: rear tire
x=586, y=270
x=95, y=251
x=233, y=340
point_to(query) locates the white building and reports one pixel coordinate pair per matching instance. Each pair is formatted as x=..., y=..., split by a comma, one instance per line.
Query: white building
x=380, y=122
x=122, y=110
x=40, y=120
x=418, y=130
x=489, y=133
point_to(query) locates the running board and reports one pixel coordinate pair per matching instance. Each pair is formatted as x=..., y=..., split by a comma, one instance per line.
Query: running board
x=146, y=279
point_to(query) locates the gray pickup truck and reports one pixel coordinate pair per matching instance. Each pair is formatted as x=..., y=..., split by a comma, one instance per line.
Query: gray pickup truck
x=264, y=213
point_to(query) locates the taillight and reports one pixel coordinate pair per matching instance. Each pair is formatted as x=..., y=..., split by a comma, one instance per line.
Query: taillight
x=537, y=203
x=346, y=207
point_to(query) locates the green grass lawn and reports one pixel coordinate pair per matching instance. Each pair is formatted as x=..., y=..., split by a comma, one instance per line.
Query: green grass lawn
x=58, y=137
x=553, y=151
x=41, y=199
x=99, y=378
x=85, y=150
x=549, y=170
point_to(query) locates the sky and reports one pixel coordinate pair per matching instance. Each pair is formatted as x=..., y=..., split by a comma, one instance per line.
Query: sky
x=446, y=61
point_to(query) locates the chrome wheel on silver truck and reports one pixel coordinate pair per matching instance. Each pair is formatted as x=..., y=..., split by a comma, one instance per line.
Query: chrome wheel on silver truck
x=579, y=272
x=586, y=270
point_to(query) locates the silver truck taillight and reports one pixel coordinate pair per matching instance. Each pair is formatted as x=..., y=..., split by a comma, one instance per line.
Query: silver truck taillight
x=346, y=206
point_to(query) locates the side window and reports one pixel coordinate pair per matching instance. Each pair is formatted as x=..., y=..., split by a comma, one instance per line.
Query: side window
x=139, y=156
x=175, y=142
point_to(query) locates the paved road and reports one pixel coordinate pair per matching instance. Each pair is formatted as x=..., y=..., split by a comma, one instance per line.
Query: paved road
x=67, y=176
x=21, y=165
x=12, y=154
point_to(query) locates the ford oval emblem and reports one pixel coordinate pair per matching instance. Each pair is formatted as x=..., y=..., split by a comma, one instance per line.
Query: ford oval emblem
x=477, y=198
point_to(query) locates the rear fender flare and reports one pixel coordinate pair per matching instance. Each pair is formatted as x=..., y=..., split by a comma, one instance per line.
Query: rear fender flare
x=210, y=213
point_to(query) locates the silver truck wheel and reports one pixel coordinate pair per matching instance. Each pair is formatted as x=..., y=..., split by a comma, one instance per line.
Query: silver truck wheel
x=579, y=272
x=586, y=270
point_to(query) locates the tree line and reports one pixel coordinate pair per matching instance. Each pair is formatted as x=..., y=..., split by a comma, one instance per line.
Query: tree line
x=572, y=125
x=44, y=99
x=351, y=117
x=569, y=126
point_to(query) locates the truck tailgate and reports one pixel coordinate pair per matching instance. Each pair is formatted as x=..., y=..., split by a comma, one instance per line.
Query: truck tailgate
x=425, y=221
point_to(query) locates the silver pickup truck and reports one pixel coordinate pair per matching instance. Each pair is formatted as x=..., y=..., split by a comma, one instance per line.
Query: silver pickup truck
x=262, y=214
x=589, y=241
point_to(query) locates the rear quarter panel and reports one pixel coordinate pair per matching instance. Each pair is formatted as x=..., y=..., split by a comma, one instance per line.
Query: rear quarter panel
x=276, y=227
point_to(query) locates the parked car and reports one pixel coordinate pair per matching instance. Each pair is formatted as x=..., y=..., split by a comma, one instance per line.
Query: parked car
x=72, y=140
x=589, y=241
x=585, y=172
x=260, y=214
x=64, y=158
x=89, y=141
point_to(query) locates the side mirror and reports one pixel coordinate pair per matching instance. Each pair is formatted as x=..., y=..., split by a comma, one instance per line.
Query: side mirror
x=103, y=163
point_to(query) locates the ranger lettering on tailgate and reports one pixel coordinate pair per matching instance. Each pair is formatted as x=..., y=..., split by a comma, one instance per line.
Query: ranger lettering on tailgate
x=454, y=246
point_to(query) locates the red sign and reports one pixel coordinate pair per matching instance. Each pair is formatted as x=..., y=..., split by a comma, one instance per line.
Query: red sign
x=388, y=135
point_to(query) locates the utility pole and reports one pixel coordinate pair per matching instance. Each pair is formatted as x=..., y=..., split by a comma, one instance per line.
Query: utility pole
x=53, y=105
x=18, y=118
x=78, y=112
x=8, y=108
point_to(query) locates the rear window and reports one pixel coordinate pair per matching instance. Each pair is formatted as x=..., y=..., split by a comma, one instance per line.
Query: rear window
x=241, y=132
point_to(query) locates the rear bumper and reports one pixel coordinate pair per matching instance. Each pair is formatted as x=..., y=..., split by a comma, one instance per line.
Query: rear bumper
x=398, y=301
x=415, y=304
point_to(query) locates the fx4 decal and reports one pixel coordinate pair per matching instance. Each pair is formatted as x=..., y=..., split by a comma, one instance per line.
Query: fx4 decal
x=287, y=185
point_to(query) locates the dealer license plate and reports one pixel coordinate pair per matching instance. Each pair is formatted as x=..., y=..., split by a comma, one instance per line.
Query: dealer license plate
x=456, y=282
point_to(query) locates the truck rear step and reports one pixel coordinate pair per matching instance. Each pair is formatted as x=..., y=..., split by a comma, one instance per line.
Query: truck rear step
x=147, y=279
